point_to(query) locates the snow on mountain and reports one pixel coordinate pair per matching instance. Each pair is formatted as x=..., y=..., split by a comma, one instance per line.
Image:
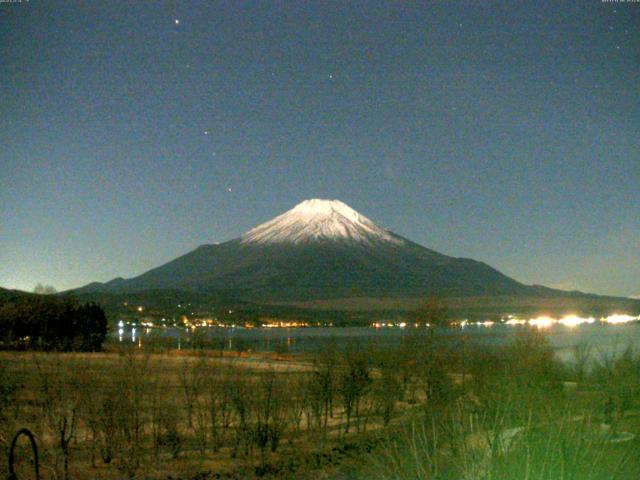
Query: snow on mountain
x=317, y=219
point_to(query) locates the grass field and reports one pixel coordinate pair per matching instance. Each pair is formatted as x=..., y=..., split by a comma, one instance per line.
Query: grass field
x=415, y=412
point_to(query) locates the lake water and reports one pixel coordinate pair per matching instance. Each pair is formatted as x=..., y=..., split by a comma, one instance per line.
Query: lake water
x=602, y=339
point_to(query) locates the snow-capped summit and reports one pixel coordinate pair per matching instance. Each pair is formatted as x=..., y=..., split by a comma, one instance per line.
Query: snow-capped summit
x=323, y=250
x=318, y=219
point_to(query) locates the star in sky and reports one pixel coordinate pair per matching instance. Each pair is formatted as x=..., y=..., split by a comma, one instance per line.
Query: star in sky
x=488, y=103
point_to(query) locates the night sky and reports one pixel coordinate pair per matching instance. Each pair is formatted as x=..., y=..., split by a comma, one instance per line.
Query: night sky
x=508, y=132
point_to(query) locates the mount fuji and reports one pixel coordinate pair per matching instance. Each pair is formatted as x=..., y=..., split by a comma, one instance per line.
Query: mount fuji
x=323, y=250
x=324, y=256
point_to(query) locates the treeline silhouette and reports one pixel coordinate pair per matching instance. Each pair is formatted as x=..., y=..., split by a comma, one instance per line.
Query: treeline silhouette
x=38, y=322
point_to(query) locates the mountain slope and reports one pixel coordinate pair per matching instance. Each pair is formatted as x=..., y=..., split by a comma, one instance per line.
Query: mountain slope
x=10, y=295
x=321, y=249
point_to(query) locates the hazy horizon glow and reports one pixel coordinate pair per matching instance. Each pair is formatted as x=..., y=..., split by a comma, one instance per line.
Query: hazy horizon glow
x=503, y=132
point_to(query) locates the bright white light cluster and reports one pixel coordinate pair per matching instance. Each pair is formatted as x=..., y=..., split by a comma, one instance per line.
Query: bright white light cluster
x=542, y=322
x=616, y=318
x=570, y=320
x=390, y=324
x=515, y=321
x=574, y=320
x=486, y=323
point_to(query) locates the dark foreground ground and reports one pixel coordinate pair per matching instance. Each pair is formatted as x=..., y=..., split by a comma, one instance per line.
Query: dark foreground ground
x=416, y=411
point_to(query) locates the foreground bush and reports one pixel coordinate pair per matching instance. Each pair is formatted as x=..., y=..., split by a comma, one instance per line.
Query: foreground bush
x=516, y=421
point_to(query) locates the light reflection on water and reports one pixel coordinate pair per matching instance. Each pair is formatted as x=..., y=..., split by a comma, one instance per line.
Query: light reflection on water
x=565, y=335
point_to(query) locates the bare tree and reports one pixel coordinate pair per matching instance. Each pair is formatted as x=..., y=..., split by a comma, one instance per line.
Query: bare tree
x=217, y=403
x=60, y=406
x=299, y=398
x=193, y=380
x=128, y=411
x=386, y=389
x=238, y=393
x=89, y=396
x=44, y=289
x=191, y=383
x=165, y=417
x=270, y=411
x=582, y=354
x=354, y=381
x=9, y=408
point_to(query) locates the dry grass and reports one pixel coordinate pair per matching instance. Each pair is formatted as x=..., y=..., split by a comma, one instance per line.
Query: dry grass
x=153, y=383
